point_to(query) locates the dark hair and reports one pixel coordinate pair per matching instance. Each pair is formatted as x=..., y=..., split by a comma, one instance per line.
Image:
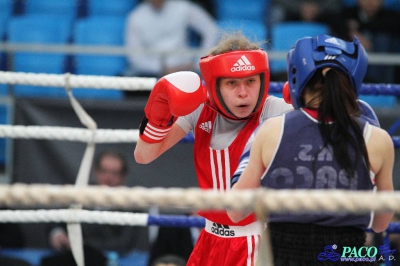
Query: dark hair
x=338, y=102
x=114, y=154
x=170, y=258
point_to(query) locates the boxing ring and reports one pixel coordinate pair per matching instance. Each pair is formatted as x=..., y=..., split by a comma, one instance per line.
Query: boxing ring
x=70, y=200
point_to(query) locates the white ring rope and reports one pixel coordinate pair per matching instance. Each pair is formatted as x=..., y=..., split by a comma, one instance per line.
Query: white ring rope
x=77, y=81
x=74, y=216
x=69, y=133
x=194, y=198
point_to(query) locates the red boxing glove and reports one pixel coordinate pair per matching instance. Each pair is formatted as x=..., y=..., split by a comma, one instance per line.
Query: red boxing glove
x=286, y=93
x=173, y=95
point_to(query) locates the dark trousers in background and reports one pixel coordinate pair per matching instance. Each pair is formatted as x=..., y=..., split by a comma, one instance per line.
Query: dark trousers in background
x=93, y=257
x=172, y=240
x=6, y=261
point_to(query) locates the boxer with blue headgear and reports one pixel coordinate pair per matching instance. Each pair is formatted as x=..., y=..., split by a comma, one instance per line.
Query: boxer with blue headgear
x=324, y=144
x=326, y=52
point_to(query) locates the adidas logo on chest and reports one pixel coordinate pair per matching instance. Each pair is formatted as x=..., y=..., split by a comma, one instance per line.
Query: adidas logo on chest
x=206, y=126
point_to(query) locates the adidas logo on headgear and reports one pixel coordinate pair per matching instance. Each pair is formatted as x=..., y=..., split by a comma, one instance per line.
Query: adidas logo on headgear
x=206, y=126
x=329, y=57
x=242, y=64
x=333, y=41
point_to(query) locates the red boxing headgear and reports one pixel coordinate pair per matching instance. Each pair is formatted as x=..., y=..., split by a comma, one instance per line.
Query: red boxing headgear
x=235, y=64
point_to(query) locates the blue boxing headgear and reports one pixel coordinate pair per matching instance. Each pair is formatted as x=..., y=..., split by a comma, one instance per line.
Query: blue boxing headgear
x=310, y=54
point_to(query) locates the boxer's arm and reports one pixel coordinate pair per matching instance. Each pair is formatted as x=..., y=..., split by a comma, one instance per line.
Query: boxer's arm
x=244, y=158
x=147, y=152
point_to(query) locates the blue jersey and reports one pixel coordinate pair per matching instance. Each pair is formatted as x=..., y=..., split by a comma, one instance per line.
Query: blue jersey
x=301, y=162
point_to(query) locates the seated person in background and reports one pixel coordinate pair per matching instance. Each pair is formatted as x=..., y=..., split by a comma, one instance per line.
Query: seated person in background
x=374, y=26
x=110, y=169
x=302, y=10
x=163, y=26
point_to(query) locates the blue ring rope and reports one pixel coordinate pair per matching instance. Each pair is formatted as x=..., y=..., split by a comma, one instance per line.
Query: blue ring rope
x=176, y=221
x=196, y=221
x=366, y=89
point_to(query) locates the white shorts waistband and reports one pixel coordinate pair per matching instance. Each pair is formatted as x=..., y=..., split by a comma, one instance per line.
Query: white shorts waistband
x=221, y=230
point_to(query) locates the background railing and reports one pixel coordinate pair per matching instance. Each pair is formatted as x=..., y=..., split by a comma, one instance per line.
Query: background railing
x=373, y=58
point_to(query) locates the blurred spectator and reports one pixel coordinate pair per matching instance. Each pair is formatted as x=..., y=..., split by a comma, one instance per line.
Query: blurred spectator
x=208, y=5
x=11, y=236
x=164, y=26
x=175, y=241
x=169, y=260
x=302, y=10
x=375, y=27
x=110, y=169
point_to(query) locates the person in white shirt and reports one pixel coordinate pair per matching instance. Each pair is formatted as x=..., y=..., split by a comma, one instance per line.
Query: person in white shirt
x=163, y=26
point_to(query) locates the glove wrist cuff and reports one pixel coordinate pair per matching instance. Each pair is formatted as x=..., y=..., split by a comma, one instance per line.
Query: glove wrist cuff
x=152, y=133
